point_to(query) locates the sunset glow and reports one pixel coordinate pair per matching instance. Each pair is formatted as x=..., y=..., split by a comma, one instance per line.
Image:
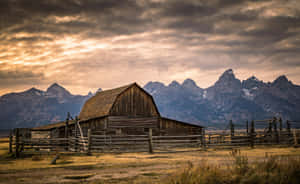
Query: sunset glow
x=85, y=45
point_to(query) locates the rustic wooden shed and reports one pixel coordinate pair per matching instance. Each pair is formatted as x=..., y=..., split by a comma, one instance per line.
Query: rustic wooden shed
x=122, y=111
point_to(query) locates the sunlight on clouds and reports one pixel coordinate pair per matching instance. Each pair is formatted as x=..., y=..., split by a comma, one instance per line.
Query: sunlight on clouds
x=98, y=44
x=64, y=19
x=256, y=5
x=73, y=45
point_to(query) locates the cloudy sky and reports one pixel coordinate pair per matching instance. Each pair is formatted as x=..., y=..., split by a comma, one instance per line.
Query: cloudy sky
x=87, y=44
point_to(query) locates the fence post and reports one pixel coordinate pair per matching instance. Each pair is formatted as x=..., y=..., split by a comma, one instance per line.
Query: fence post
x=231, y=128
x=270, y=127
x=75, y=126
x=75, y=136
x=280, y=124
x=288, y=127
x=295, y=137
x=66, y=128
x=89, y=141
x=280, y=128
x=275, y=130
x=17, y=142
x=150, y=141
x=252, y=134
x=10, y=141
x=203, y=138
x=247, y=128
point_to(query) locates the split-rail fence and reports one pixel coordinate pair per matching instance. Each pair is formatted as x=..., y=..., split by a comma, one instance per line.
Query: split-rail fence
x=97, y=142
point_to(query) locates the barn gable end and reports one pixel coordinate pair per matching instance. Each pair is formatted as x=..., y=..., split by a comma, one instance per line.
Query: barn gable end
x=134, y=102
x=100, y=104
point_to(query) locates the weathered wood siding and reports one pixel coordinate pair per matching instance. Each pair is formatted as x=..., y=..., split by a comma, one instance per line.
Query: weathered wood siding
x=134, y=102
x=57, y=132
x=132, y=125
x=94, y=124
x=173, y=127
x=40, y=134
x=98, y=123
x=125, y=122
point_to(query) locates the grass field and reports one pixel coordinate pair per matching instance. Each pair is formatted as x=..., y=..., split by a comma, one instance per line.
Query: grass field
x=223, y=165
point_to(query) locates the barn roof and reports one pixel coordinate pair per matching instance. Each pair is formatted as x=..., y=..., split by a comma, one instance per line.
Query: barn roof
x=100, y=104
x=52, y=125
x=190, y=124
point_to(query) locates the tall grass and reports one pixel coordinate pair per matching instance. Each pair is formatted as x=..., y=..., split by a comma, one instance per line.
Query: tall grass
x=272, y=170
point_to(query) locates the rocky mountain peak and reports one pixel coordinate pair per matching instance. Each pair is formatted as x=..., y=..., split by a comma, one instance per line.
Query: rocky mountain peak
x=32, y=90
x=281, y=81
x=228, y=82
x=54, y=86
x=253, y=78
x=58, y=91
x=227, y=75
x=189, y=83
x=252, y=83
x=174, y=84
x=152, y=87
x=156, y=84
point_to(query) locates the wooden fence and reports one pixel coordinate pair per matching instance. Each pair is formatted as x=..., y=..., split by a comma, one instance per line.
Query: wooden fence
x=148, y=143
x=257, y=138
x=103, y=143
x=142, y=143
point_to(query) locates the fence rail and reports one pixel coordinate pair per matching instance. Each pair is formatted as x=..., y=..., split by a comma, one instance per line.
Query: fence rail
x=148, y=143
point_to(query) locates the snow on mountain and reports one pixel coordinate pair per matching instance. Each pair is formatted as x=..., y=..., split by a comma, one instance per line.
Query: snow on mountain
x=248, y=94
x=228, y=98
x=204, y=94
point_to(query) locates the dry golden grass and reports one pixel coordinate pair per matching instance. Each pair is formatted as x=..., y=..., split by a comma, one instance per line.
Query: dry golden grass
x=118, y=168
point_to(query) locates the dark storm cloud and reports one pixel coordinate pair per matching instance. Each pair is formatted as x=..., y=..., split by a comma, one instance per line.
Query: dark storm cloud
x=67, y=39
x=34, y=16
x=113, y=17
x=186, y=9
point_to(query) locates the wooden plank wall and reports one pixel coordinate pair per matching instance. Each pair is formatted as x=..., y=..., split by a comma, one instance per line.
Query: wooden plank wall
x=40, y=134
x=173, y=127
x=134, y=102
x=124, y=122
x=132, y=125
x=93, y=124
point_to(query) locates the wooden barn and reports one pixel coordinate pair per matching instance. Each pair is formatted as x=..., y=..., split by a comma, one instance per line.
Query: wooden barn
x=127, y=110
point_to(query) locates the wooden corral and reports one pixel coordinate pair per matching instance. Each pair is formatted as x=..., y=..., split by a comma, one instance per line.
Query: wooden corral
x=127, y=110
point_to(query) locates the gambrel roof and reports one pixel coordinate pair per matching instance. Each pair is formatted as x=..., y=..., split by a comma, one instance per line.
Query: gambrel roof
x=101, y=104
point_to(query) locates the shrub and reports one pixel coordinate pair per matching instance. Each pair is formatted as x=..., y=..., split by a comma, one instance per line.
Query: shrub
x=275, y=170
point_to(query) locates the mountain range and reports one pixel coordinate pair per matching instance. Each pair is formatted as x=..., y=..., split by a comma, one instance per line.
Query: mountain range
x=35, y=107
x=228, y=99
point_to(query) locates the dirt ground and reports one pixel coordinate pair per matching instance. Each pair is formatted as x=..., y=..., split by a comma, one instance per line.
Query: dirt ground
x=117, y=168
